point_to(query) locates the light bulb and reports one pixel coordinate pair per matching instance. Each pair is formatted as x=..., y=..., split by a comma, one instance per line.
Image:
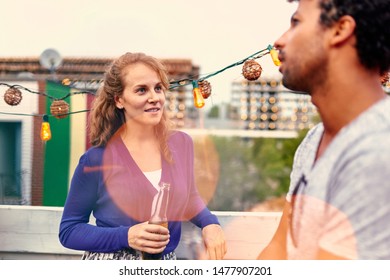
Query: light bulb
x=274, y=55
x=198, y=97
x=45, y=129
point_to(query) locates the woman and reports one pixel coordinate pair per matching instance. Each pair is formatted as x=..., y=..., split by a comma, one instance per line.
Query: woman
x=117, y=179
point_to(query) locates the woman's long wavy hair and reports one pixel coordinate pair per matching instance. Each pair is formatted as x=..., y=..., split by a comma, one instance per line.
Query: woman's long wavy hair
x=105, y=118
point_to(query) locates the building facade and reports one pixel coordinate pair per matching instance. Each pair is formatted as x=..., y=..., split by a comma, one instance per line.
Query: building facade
x=36, y=172
x=265, y=104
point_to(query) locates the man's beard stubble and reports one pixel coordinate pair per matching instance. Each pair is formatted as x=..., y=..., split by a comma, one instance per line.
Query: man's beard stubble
x=309, y=75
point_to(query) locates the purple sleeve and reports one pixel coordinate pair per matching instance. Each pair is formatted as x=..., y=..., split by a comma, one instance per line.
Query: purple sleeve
x=75, y=231
x=205, y=218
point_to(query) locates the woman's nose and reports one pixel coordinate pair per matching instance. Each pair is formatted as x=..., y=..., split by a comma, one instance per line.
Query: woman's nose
x=153, y=98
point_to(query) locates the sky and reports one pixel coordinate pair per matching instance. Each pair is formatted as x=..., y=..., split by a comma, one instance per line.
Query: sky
x=211, y=33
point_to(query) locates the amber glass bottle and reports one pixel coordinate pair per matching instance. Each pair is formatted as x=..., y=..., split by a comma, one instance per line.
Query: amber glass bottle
x=159, y=215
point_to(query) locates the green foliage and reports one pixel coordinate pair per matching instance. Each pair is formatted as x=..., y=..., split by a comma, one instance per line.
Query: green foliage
x=274, y=159
x=237, y=176
x=252, y=170
x=214, y=112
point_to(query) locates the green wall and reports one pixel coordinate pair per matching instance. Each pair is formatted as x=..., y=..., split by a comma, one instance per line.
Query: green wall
x=57, y=152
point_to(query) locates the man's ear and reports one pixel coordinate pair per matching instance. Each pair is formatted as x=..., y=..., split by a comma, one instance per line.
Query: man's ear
x=343, y=30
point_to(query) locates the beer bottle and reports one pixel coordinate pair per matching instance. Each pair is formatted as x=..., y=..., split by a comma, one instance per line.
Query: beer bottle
x=159, y=215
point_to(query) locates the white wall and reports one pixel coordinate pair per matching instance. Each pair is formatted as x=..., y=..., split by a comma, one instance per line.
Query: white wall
x=31, y=232
x=28, y=106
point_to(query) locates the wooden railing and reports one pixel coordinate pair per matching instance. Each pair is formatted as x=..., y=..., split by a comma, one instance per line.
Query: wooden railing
x=31, y=232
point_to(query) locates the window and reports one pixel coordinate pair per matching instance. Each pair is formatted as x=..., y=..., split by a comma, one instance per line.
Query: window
x=10, y=162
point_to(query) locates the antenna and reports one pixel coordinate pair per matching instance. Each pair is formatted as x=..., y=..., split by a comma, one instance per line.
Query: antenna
x=50, y=59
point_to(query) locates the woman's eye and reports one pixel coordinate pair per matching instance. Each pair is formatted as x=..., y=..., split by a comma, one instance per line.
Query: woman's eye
x=141, y=90
x=158, y=89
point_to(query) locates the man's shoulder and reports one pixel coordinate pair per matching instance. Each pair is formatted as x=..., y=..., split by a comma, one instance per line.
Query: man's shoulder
x=311, y=140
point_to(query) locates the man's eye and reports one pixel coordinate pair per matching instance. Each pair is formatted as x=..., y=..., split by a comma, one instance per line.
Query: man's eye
x=294, y=21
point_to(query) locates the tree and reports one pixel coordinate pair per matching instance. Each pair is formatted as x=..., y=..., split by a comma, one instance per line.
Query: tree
x=234, y=174
x=214, y=112
x=274, y=159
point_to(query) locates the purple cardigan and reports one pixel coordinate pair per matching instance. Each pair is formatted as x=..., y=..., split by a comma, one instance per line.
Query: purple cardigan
x=108, y=183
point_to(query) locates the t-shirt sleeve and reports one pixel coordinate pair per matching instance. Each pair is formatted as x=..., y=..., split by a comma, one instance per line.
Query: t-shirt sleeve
x=359, y=211
x=304, y=149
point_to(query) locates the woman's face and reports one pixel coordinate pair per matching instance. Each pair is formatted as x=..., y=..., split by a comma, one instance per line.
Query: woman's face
x=143, y=96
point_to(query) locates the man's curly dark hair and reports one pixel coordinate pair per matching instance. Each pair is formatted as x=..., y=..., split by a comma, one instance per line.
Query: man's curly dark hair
x=372, y=28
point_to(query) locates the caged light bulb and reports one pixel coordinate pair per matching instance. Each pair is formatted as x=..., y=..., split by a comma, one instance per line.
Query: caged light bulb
x=198, y=97
x=45, y=129
x=274, y=55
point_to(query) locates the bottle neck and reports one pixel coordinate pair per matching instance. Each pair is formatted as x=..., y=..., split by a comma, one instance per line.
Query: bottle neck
x=160, y=204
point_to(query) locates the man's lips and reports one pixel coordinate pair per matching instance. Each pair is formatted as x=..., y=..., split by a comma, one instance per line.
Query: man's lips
x=281, y=59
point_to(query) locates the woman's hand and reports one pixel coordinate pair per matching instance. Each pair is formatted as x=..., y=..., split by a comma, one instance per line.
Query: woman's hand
x=148, y=238
x=214, y=240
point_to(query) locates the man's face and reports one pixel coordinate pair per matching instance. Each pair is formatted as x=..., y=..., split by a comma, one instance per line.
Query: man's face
x=302, y=49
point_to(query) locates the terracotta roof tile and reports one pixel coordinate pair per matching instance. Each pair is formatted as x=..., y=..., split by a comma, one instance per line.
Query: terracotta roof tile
x=88, y=66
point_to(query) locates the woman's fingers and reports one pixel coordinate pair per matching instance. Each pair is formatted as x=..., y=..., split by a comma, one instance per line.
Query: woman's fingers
x=148, y=238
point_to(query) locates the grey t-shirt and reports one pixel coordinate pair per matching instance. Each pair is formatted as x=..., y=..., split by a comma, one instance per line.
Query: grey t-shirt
x=341, y=202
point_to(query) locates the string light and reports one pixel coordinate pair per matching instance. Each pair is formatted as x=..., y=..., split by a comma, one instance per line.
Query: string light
x=173, y=84
x=45, y=129
x=205, y=88
x=251, y=70
x=198, y=97
x=59, y=109
x=274, y=55
x=201, y=90
x=13, y=96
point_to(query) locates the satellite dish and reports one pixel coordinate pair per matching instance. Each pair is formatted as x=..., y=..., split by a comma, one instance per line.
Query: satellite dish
x=50, y=59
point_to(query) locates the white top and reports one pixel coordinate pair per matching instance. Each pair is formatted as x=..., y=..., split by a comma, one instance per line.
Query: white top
x=154, y=177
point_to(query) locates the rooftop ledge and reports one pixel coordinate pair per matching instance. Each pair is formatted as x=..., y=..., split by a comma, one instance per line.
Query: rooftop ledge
x=31, y=232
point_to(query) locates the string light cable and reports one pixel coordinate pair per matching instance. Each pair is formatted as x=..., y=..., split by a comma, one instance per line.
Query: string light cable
x=187, y=81
x=201, y=89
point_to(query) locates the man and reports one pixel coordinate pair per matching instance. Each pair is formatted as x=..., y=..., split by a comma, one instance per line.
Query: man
x=338, y=204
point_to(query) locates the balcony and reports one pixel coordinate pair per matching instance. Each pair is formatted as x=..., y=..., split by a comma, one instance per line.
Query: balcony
x=31, y=232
